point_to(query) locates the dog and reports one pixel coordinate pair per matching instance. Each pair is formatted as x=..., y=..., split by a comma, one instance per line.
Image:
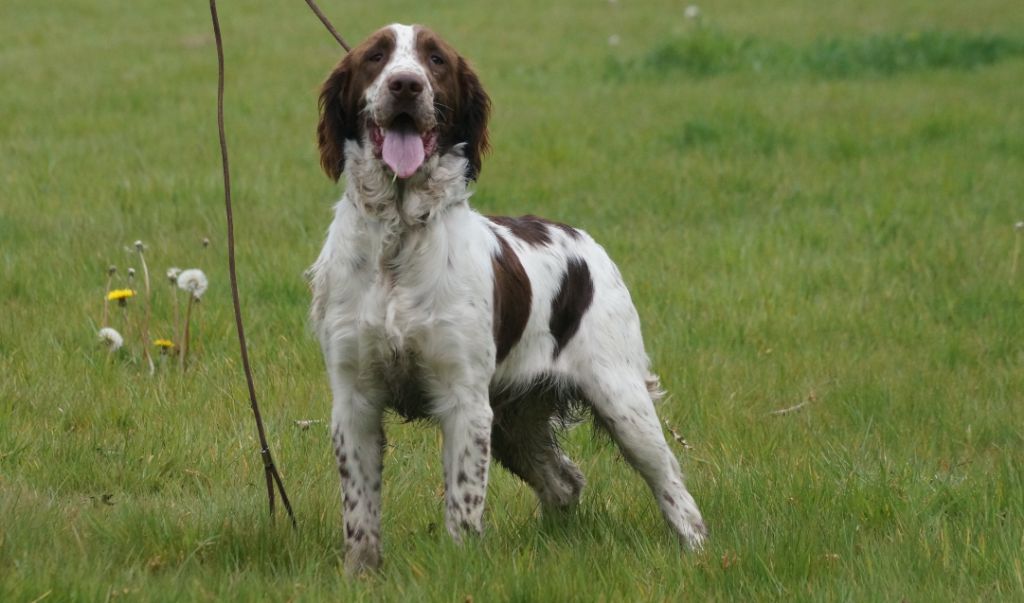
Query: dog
x=496, y=328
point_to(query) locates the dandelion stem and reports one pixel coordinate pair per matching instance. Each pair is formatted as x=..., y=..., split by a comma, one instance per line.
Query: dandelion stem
x=145, y=317
x=197, y=347
x=177, y=323
x=1016, y=256
x=106, y=299
x=145, y=344
x=127, y=323
x=184, y=342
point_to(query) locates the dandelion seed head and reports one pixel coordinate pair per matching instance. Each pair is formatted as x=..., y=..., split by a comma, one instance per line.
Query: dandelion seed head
x=692, y=12
x=139, y=246
x=194, y=281
x=111, y=338
x=131, y=273
x=172, y=275
x=206, y=241
x=111, y=270
x=1019, y=226
x=614, y=40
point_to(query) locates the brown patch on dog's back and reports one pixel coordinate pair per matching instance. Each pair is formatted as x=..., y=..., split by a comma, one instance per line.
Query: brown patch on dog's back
x=533, y=230
x=569, y=230
x=574, y=296
x=512, y=298
x=529, y=229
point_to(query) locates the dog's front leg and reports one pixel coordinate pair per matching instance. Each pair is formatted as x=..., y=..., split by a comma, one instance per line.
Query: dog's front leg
x=358, y=445
x=466, y=425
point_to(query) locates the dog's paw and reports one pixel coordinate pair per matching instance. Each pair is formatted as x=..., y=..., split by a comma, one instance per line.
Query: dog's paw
x=694, y=534
x=461, y=529
x=362, y=558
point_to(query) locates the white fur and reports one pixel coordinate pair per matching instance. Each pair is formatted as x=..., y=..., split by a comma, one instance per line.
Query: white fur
x=403, y=290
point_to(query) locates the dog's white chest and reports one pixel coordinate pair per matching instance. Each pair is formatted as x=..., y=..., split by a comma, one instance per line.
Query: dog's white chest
x=396, y=315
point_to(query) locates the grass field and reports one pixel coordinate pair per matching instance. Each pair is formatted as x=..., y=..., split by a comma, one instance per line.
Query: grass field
x=812, y=203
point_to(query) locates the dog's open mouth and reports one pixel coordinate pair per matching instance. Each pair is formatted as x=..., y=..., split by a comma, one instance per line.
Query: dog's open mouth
x=402, y=145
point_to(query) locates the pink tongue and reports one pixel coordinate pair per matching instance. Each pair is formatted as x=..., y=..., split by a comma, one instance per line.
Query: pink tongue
x=403, y=151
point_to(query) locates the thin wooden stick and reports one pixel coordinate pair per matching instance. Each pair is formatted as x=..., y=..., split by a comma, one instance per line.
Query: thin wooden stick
x=323, y=19
x=272, y=475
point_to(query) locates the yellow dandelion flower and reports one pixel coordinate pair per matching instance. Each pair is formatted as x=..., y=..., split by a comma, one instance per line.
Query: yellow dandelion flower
x=165, y=345
x=120, y=294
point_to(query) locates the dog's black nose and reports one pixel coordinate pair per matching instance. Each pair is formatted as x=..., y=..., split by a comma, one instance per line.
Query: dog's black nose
x=405, y=86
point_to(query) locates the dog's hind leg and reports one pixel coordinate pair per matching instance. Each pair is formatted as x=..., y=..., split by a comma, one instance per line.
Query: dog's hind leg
x=524, y=442
x=624, y=405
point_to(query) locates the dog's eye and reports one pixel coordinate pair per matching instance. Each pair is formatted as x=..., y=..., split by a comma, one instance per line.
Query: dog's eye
x=436, y=59
x=376, y=57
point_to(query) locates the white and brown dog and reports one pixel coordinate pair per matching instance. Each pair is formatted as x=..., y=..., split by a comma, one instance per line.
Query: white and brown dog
x=494, y=327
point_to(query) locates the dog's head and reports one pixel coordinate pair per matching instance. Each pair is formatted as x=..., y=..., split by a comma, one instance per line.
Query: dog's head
x=408, y=95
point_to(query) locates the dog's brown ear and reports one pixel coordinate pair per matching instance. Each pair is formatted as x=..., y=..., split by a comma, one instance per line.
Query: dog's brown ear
x=336, y=120
x=471, y=122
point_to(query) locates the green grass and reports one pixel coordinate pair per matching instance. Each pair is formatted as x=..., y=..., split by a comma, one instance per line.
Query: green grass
x=706, y=51
x=835, y=226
